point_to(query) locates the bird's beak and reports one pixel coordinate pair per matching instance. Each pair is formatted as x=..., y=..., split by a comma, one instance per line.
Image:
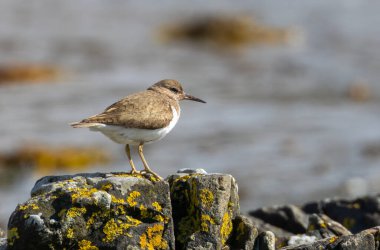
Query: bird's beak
x=192, y=98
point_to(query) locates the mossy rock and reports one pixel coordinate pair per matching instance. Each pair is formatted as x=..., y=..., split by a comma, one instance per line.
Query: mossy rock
x=94, y=211
x=204, y=207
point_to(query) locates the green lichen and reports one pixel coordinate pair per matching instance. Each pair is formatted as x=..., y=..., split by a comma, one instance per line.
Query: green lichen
x=152, y=238
x=13, y=235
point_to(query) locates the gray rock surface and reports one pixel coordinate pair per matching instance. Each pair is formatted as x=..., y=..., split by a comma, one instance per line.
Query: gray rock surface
x=244, y=234
x=97, y=211
x=288, y=217
x=204, y=207
x=266, y=241
x=365, y=240
x=327, y=224
x=3, y=243
x=356, y=215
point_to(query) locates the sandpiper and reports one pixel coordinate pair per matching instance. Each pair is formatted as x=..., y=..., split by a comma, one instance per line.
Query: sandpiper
x=141, y=118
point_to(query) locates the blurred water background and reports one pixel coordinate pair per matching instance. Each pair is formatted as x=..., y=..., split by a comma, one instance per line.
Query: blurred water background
x=291, y=122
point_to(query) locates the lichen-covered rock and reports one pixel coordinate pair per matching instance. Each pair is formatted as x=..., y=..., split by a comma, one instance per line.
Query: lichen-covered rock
x=244, y=234
x=321, y=227
x=356, y=215
x=366, y=240
x=94, y=211
x=204, y=207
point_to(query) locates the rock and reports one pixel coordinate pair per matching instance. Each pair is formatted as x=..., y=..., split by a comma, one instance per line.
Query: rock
x=28, y=73
x=94, y=211
x=289, y=217
x=321, y=227
x=366, y=240
x=282, y=236
x=191, y=171
x=3, y=243
x=244, y=233
x=228, y=32
x=355, y=215
x=45, y=158
x=204, y=207
x=296, y=240
x=266, y=241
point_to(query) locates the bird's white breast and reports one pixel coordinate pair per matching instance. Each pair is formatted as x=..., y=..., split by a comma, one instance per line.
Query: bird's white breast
x=135, y=136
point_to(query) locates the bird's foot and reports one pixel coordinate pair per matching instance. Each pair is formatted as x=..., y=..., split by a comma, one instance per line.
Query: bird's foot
x=152, y=173
x=134, y=171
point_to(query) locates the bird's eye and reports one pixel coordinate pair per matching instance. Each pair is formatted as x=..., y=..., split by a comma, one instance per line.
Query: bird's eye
x=174, y=90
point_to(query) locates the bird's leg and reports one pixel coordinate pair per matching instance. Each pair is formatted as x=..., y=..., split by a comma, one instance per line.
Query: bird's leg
x=147, y=168
x=128, y=151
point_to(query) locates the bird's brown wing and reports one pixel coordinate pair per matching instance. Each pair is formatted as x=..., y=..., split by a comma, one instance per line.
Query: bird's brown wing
x=148, y=110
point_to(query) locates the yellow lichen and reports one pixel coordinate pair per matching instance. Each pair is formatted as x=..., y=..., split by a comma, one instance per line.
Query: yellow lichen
x=13, y=236
x=86, y=245
x=152, y=239
x=120, y=210
x=111, y=230
x=157, y=206
x=95, y=215
x=107, y=186
x=117, y=200
x=206, y=220
x=160, y=218
x=28, y=206
x=206, y=196
x=333, y=239
x=131, y=198
x=226, y=227
x=115, y=228
x=81, y=193
x=322, y=224
x=75, y=212
x=70, y=233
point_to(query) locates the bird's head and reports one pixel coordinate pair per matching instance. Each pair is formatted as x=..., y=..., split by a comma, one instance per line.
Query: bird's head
x=173, y=89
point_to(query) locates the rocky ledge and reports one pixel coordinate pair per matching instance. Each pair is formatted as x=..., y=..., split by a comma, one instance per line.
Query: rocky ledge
x=189, y=210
